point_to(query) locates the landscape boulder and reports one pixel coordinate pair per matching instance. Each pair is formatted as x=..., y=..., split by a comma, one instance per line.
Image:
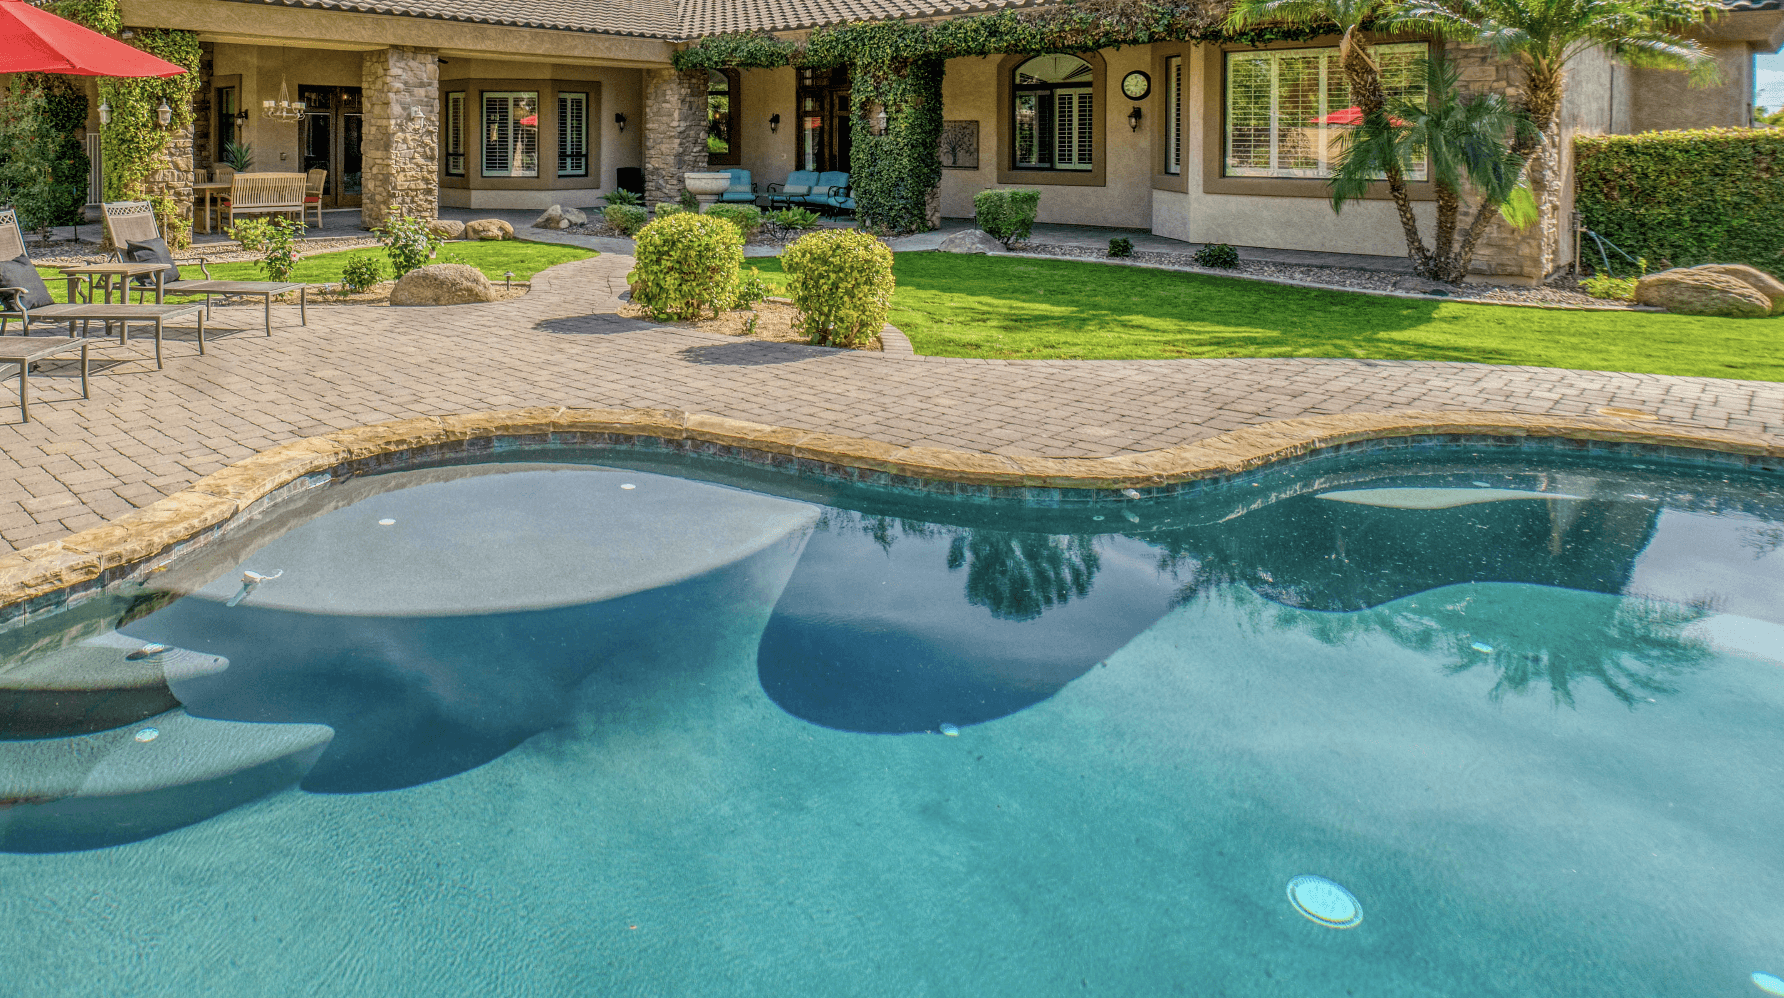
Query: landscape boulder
x=971, y=241
x=1753, y=277
x=1698, y=292
x=446, y=228
x=489, y=229
x=443, y=284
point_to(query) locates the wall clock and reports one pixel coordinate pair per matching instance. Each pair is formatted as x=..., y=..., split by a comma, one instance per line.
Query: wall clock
x=1136, y=85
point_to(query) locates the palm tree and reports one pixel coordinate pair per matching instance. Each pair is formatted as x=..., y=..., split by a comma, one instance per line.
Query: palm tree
x=1544, y=36
x=1461, y=137
x=1360, y=71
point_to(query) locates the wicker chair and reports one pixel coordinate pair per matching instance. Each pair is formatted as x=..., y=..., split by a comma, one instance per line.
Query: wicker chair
x=316, y=182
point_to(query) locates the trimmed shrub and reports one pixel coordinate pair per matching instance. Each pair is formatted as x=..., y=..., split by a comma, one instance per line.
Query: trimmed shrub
x=360, y=273
x=1007, y=215
x=751, y=288
x=275, y=239
x=1687, y=197
x=626, y=219
x=841, y=283
x=666, y=209
x=1121, y=247
x=620, y=195
x=687, y=264
x=794, y=218
x=747, y=217
x=409, y=241
x=1217, y=255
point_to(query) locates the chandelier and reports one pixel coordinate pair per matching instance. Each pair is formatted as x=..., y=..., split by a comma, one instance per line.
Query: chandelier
x=283, y=109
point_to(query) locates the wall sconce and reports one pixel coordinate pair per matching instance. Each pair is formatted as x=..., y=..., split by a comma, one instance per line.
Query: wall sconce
x=1133, y=119
x=876, y=119
x=417, y=120
x=774, y=123
x=242, y=115
x=104, y=113
x=164, y=113
x=620, y=120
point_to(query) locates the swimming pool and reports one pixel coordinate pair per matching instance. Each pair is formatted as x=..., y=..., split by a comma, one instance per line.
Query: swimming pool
x=616, y=723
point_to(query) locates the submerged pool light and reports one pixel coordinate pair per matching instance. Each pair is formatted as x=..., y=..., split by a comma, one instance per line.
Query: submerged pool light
x=147, y=735
x=387, y=522
x=1325, y=902
x=146, y=651
x=1771, y=984
x=1482, y=647
x=628, y=486
x=950, y=731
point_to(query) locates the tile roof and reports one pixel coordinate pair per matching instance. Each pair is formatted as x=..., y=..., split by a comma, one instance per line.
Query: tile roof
x=676, y=20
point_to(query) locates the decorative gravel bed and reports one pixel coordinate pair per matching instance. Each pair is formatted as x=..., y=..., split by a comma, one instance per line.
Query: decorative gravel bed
x=769, y=234
x=1550, y=295
x=63, y=252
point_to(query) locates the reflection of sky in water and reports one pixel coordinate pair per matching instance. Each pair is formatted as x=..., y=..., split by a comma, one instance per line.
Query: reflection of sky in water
x=1734, y=562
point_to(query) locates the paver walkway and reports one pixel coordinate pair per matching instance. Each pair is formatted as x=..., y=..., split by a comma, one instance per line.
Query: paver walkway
x=144, y=434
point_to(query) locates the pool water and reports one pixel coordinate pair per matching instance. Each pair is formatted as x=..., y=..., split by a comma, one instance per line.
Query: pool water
x=518, y=729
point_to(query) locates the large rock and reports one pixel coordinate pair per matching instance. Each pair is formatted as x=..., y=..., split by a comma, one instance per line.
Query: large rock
x=575, y=216
x=1753, y=277
x=489, y=229
x=1697, y=292
x=552, y=218
x=443, y=284
x=971, y=241
x=446, y=228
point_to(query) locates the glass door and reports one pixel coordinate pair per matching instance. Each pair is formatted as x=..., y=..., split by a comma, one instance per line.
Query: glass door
x=329, y=139
x=825, y=133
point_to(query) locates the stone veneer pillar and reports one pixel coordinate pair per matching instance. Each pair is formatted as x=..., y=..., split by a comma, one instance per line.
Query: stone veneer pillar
x=172, y=178
x=400, y=151
x=674, y=131
x=1530, y=254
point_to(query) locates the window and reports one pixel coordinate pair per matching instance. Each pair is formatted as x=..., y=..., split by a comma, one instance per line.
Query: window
x=1174, y=114
x=572, y=135
x=1055, y=114
x=1287, y=110
x=226, y=108
x=455, y=134
x=511, y=134
x=721, y=117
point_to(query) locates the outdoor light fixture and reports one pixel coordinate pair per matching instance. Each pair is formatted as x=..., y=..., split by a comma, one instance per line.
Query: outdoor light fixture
x=876, y=119
x=104, y=113
x=127, y=34
x=242, y=115
x=774, y=123
x=1133, y=119
x=164, y=113
x=620, y=120
x=417, y=119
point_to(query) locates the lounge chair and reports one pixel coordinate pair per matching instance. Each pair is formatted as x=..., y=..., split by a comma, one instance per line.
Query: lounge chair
x=741, y=191
x=794, y=192
x=133, y=230
x=24, y=296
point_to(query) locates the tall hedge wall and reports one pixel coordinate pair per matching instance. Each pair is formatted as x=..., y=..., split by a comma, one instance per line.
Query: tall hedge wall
x=1687, y=197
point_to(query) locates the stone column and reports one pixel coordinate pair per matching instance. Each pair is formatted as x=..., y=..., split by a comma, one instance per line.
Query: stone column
x=1517, y=255
x=203, y=118
x=400, y=148
x=172, y=179
x=674, y=131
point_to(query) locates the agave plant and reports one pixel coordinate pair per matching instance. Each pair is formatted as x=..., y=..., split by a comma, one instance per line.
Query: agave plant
x=1468, y=141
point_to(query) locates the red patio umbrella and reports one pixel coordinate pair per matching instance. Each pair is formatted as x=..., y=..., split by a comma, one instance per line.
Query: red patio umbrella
x=37, y=41
x=1348, y=116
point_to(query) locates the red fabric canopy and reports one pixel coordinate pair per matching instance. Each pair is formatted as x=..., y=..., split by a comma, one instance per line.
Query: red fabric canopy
x=37, y=41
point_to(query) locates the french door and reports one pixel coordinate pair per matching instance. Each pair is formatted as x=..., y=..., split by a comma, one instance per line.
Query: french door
x=329, y=139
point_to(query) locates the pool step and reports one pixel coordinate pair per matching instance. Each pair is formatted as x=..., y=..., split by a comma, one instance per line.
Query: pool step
x=171, y=770
x=102, y=682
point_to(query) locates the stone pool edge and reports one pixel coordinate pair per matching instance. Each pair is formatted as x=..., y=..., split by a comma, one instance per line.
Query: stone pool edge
x=47, y=575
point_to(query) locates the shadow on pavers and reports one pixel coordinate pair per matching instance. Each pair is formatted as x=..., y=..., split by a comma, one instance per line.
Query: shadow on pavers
x=601, y=324
x=753, y=353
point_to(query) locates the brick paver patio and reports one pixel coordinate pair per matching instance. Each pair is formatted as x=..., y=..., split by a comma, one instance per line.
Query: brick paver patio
x=145, y=434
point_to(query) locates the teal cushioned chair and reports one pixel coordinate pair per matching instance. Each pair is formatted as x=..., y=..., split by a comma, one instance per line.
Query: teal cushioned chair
x=794, y=192
x=831, y=193
x=741, y=191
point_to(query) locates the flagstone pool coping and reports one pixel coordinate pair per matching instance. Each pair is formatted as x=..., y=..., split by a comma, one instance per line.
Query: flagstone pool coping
x=129, y=548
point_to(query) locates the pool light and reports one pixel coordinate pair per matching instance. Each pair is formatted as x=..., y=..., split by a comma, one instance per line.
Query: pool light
x=1325, y=902
x=387, y=522
x=146, y=651
x=1482, y=647
x=147, y=735
x=953, y=732
x=628, y=486
x=1771, y=984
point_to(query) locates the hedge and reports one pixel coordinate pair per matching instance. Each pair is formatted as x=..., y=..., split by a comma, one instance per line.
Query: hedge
x=1687, y=197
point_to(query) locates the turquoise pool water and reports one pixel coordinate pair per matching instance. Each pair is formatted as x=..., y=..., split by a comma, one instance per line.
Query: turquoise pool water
x=541, y=734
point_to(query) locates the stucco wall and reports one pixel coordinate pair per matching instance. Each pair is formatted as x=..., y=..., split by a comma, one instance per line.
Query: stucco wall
x=1660, y=99
x=768, y=155
x=616, y=91
x=260, y=67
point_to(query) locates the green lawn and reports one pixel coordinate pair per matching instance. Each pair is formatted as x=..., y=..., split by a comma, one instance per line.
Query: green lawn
x=493, y=258
x=979, y=306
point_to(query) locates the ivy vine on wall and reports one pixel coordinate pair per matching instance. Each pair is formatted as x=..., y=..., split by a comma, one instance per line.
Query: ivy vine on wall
x=896, y=174
x=135, y=143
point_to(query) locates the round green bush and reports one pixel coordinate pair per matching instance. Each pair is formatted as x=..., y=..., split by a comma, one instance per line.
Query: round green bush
x=747, y=217
x=841, y=283
x=361, y=272
x=687, y=264
x=625, y=218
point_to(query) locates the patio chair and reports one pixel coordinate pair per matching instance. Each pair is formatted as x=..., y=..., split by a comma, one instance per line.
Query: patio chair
x=316, y=181
x=24, y=296
x=741, y=191
x=791, y=194
x=132, y=226
x=831, y=193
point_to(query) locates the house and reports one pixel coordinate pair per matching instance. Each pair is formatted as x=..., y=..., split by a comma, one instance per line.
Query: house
x=416, y=104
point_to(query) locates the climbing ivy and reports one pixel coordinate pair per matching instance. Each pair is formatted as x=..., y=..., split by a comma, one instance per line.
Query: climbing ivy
x=43, y=167
x=1077, y=26
x=895, y=174
x=135, y=142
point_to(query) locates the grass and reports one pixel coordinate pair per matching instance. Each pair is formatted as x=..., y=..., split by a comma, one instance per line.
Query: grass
x=979, y=306
x=493, y=258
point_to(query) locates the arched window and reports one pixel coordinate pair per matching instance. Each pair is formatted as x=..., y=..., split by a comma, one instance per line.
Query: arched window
x=1055, y=114
x=722, y=147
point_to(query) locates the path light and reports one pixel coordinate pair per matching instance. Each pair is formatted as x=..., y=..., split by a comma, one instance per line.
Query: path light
x=164, y=113
x=1133, y=119
x=774, y=123
x=508, y=279
x=104, y=113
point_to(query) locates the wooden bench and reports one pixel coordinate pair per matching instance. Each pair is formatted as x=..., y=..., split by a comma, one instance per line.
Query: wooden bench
x=267, y=194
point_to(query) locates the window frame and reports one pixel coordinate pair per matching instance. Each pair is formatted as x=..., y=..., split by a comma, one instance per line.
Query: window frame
x=1211, y=105
x=734, y=81
x=564, y=101
x=1321, y=143
x=1008, y=173
x=1050, y=98
x=483, y=124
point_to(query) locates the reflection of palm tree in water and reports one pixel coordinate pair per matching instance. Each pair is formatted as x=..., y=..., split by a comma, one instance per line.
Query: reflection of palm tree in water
x=1016, y=576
